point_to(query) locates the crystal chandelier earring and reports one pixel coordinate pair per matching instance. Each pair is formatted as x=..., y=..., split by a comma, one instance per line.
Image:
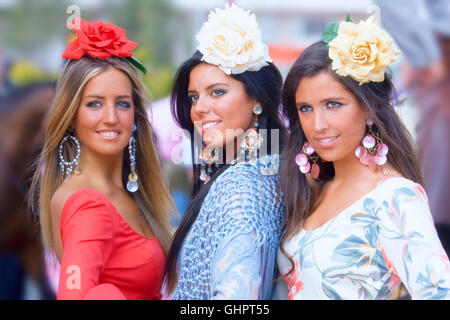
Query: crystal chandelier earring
x=132, y=185
x=373, y=151
x=253, y=140
x=303, y=161
x=208, y=157
x=68, y=166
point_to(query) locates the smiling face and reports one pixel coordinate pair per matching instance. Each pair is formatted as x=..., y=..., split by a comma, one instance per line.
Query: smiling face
x=219, y=103
x=104, y=119
x=332, y=119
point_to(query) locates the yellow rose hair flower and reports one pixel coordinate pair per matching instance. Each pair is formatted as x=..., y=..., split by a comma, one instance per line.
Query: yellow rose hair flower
x=231, y=40
x=361, y=51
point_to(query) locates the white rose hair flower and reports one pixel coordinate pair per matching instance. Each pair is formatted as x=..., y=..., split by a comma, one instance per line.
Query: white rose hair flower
x=231, y=40
x=361, y=51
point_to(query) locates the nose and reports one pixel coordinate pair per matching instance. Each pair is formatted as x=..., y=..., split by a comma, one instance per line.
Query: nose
x=110, y=113
x=320, y=120
x=201, y=106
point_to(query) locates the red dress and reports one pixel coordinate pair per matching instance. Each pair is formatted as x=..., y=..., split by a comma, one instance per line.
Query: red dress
x=104, y=258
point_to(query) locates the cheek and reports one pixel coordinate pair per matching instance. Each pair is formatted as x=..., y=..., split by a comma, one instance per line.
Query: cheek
x=353, y=133
x=85, y=119
x=244, y=121
x=238, y=115
x=194, y=115
x=354, y=125
x=196, y=120
x=127, y=117
x=305, y=124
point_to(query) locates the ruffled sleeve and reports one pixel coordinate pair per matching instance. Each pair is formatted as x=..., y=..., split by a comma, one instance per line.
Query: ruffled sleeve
x=86, y=234
x=243, y=265
x=410, y=244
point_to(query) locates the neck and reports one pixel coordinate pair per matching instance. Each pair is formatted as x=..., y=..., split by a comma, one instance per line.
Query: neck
x=102, y=171
x=350, y=169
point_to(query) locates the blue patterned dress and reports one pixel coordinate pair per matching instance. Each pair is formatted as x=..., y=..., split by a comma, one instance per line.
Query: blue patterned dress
x=230, y=250
x=385, y=238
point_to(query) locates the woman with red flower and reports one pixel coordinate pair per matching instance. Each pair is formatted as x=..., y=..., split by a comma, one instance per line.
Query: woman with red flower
x=111, y=240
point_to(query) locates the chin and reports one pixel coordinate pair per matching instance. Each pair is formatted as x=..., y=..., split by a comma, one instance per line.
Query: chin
x=115, y=151
x=333, y=156
x=213, y=145
x=328, y=156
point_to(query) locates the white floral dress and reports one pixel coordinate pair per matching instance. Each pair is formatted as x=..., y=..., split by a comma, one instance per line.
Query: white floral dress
x=366, y=251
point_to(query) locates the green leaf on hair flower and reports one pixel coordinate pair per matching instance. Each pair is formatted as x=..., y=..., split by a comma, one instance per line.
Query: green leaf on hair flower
x=329, y=34
x=347, y=18
x=135, y=62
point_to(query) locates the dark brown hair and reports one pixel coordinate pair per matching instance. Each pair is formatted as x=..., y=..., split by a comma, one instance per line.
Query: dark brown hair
x=263, y=85
x=299, y=191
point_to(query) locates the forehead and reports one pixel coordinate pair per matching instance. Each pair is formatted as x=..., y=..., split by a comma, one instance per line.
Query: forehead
x=205, y=75
x=320, y=86
x=110, y=81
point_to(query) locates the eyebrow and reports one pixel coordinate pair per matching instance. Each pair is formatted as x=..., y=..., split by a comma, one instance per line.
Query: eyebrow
x=324, y=100
x=102, y=97
x=212, y=86
x=333, y=98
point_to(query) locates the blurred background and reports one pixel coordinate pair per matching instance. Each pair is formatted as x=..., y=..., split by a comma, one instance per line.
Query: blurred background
x=33, y=35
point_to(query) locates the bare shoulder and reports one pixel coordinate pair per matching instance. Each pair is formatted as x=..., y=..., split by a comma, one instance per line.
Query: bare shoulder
x=59, y=198
x=388, y=173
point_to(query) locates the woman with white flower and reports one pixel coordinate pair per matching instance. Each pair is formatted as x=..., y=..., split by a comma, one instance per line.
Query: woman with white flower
x=229, y=93
x=357, y=220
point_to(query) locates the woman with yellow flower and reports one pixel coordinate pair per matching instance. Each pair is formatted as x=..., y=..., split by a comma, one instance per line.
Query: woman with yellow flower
x=357, y=219
x=229, y=93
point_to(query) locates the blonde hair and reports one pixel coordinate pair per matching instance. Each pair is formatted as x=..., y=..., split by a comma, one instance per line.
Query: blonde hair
x=153, y=197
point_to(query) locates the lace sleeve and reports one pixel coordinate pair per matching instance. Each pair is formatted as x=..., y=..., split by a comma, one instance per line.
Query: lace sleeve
x=244, y=262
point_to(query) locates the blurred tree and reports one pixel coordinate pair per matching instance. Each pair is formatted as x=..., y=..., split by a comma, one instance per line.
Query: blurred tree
x=30, y=23
x=154, y=24
x=151, y=24
x=23, y=73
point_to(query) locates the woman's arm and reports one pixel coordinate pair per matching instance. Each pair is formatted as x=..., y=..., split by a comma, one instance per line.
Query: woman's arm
x=237, y=270
x=410, y=244
x=86, y=233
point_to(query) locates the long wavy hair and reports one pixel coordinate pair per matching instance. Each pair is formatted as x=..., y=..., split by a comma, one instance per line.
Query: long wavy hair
x=265, y=87
x=152, y=198
x=300, y=191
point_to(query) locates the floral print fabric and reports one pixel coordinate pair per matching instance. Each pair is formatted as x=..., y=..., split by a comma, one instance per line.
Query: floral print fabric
x=366, y=251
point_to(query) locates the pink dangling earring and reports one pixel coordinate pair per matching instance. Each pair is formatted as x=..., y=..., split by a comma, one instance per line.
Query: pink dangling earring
x=373, y=151
x=302, y=160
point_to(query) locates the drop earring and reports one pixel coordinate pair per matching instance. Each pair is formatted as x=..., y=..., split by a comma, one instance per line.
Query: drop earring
x=208, y=157
x=132, y=184
x=251, y=143
x=68, y=166
x=303, y=160
x=373, y=151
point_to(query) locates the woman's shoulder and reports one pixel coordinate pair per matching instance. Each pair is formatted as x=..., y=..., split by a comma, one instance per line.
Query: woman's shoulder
x=253, y=180
x=397, y=182
x=70, y=199
x=263, y=168
x=245, y=190
x=398, y=188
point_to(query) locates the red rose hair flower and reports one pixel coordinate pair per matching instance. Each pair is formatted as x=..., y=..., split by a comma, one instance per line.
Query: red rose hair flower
x=98, y=40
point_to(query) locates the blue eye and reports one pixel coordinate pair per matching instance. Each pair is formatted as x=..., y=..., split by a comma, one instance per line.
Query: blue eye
x=193, y=98
x=219, y=92
x=304, y=109
x=94, y=103
x=123, y=104
x=333, y=104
